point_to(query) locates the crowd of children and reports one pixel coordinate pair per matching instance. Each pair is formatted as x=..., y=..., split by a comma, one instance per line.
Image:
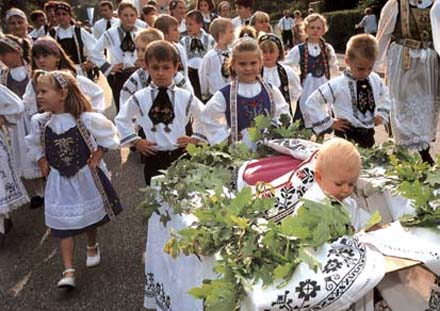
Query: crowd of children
x=192, y=77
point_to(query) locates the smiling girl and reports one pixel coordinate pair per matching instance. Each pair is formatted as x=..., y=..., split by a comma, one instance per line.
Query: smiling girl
x=230, y=112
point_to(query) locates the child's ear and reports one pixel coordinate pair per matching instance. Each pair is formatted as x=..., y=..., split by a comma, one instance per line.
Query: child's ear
x=64, y=94
x=347, y=60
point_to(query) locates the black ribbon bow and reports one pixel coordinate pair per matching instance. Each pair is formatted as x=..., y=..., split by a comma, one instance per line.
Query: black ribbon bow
x=109, y=25
x=365, y=96
x=225, y=71
x=162, y=110
x=196, y=45
x=127, y=44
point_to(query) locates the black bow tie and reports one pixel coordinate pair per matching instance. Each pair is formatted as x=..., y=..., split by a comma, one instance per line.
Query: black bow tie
x=161, y=110
x=196, y=44
x=225, y=69
x=127, y=44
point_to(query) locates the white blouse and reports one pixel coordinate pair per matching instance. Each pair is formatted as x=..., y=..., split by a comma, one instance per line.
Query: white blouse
x=271, y=76
x=11, y=105
x=210, y=73
x=334, y=98
x=185, y=106
x=214, y=113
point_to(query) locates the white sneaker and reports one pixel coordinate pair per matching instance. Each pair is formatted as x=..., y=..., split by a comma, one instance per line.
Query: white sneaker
x=67, y=282
x=93, y=261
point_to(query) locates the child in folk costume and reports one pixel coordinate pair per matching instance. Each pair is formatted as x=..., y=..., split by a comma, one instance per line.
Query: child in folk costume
x=17, y=23
x=206, y=7
x=15, y=54
x=178, y=10
x=121, y=50
x=162, y=110
x=12, y=192
x=354, y=103
x=196, y=44
x=281, y=76
x=335, y=183
x=261, y=22
x=224, y=9
x=48, y=55
x=140, y=78
x=69, y=141
x=406, y=36
x=75, y=40
x=244, y=10
x=315, y=58
x=213, y=72
x=169, y=27
x=231, y=110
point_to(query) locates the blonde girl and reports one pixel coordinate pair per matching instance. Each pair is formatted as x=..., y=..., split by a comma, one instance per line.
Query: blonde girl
x=68, y=141
x=281, y=76
x=315, y=59
x=231, y=110
x=261, y=22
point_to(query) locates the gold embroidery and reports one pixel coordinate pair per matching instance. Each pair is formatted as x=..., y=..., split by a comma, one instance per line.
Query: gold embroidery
x=64, y=146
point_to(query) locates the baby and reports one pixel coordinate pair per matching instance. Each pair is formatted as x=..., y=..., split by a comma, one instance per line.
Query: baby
x=337, y=169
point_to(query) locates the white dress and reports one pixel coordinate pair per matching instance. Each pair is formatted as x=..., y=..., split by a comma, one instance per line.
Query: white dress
x=12, y=191
x=72, y=202
x=310, y=82
x=414, y=92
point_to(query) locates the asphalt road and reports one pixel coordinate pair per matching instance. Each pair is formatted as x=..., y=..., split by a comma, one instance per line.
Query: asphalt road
x=30, y=262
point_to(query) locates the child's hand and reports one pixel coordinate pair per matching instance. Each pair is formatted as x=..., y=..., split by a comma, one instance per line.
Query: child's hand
x=95, y=158
x=341, y=125
x=378, y=120
x=44, y=166
x=117, y=68
x=183, y=141
x=2, y=120
x=146, y=147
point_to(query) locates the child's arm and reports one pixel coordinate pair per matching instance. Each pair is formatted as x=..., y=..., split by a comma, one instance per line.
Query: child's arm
x=213, y=119
x=124, y=121
x=435, y=23
x=292, y=58
x=94, y=92
x=199, y=135
x=295, y=88
x=383, y=105
x=315, y=109
x=281, y=107
x=204, y=76
x=332, y=61
x=33, y=142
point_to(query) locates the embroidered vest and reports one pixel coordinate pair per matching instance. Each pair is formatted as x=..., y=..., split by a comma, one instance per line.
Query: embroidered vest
x=413, y=23
x=316, y=65
x=67, y=152
x=74, y=46
x=247, y=108
x=204, y=38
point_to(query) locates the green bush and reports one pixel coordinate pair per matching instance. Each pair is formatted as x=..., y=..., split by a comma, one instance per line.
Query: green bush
x=341, y=27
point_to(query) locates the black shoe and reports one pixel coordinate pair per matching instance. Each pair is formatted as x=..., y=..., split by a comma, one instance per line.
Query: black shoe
x=36, y=202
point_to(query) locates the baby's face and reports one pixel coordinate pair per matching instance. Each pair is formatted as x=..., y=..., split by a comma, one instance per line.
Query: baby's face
x=337, y=182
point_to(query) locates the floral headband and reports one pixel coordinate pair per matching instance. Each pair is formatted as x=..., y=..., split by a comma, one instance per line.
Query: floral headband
x=271, y=37
x=12, y=44
x=60, y=79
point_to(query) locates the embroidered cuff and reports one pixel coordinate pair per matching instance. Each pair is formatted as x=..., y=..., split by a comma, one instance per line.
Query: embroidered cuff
x=323, y=126
x=200, y=137
x=106, y=68
x=129, y=139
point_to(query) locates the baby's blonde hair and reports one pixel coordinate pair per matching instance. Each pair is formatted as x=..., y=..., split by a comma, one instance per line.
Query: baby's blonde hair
x=362, y=46
x=338, y=153
x=315, y=17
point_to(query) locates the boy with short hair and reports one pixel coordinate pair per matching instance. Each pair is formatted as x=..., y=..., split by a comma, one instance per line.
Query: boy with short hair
x=196, y=44
x=351, y=104
x=213, y=73
x=335, y=183
x=244, y=10
x=170, y=29
x=162, y=110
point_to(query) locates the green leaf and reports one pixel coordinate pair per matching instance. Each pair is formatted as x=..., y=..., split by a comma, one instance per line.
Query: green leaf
x=375, y=219
x=283, y=271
